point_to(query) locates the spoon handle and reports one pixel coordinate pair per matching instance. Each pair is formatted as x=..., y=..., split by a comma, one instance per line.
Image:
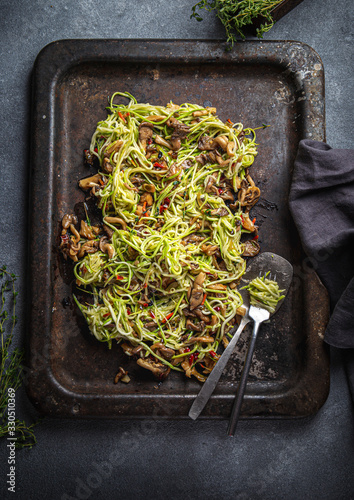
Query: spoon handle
x=236, y=409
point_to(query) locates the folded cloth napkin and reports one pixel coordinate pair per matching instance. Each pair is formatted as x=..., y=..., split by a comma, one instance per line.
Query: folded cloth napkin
x=322, y=204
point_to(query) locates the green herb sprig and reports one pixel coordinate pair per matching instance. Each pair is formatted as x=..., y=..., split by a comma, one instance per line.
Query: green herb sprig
x=11, y=363
x=236, y=14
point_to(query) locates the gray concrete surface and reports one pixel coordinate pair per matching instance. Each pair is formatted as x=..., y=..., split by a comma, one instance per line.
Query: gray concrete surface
x=97, y=459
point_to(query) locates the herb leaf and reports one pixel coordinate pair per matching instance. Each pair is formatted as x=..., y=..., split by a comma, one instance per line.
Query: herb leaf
x=236, y=14
x=11, y=365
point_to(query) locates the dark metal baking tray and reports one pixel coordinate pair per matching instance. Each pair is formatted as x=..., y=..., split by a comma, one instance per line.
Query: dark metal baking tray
x=275, y=83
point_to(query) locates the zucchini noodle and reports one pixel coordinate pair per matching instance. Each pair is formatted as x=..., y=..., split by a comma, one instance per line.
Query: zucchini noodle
x=264, y=293
x=174, y=190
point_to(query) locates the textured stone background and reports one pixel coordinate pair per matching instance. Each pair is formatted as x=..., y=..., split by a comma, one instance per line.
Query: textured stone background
x=307, y=459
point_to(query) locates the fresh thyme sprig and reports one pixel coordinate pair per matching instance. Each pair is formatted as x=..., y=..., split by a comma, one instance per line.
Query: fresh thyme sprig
x=236, y=14
x=11, y=363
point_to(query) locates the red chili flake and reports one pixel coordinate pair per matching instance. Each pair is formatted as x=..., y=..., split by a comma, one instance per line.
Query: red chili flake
x=220, y=190
x=106, y=315
x=212, y=354
x=193, y=357
x=129, y=312
x=229, y=121
x=242, y=219
x=96, y=150
x=255, y=237
x=167, y=317
x=149, y=141
x=254, y=220
x=145, y=285
x=152, y=314
x=187, y=349
x=145, y=304
x=127, y=113
x=118, y=277
x=122, y=117
x=159, y=165
x=205, y=296
x=65, y=238
x=165, y=204
x=217, y=308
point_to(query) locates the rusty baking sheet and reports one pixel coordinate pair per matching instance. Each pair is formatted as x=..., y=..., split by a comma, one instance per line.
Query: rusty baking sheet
x=274, y=83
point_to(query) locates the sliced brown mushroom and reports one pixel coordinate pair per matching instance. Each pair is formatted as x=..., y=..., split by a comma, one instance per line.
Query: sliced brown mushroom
x=199, y=280
x=93, y=181
x=200, y=327
x=145, y=133
x=202, y=159
x=146, y=198
x=251, y=197
x=231, y=148
x=71, y=250
x=137, y=180
x=251, y=248
x=120, y=374
x=166, y=352
x=227, y=195
x=192, y=238
x=221, y=212
x=209, y=364
x=204, y=112
x=217, y=286
x=206, y=143
x=149, y=188
x=128, y=349
x=197, y=292
x=189, y=371
x=210, y=184
x=156, y=118
x=221, y=140
x=107, y=166
x=174, y=170
x=90, y=246
x=115, y=221
x=203, y=340
x=201, y=316
x=86, y=231
x=150, y=325
x=247, y=223
x=220, y=161
x=162, y=142
x=209, y=249
x=106, y=247
x=114, y=147
x=76, y=238
x=159, y=370
x=213, y=320
x=68, y=219
x=180, y=132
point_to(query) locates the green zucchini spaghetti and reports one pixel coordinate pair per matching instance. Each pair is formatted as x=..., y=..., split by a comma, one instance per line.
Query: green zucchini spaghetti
x=162, y=267
x=264, y=293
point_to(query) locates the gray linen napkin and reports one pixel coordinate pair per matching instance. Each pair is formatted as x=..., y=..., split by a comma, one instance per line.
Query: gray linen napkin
x=322, y=204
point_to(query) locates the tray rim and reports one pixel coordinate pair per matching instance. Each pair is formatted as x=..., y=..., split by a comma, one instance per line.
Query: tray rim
x=54, y=60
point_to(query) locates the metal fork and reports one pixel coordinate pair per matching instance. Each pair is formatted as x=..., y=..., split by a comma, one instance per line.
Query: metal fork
x=258, y=315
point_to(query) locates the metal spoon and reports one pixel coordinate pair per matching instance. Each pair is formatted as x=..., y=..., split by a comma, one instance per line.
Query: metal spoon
x=281, y=271
x=258, y=264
